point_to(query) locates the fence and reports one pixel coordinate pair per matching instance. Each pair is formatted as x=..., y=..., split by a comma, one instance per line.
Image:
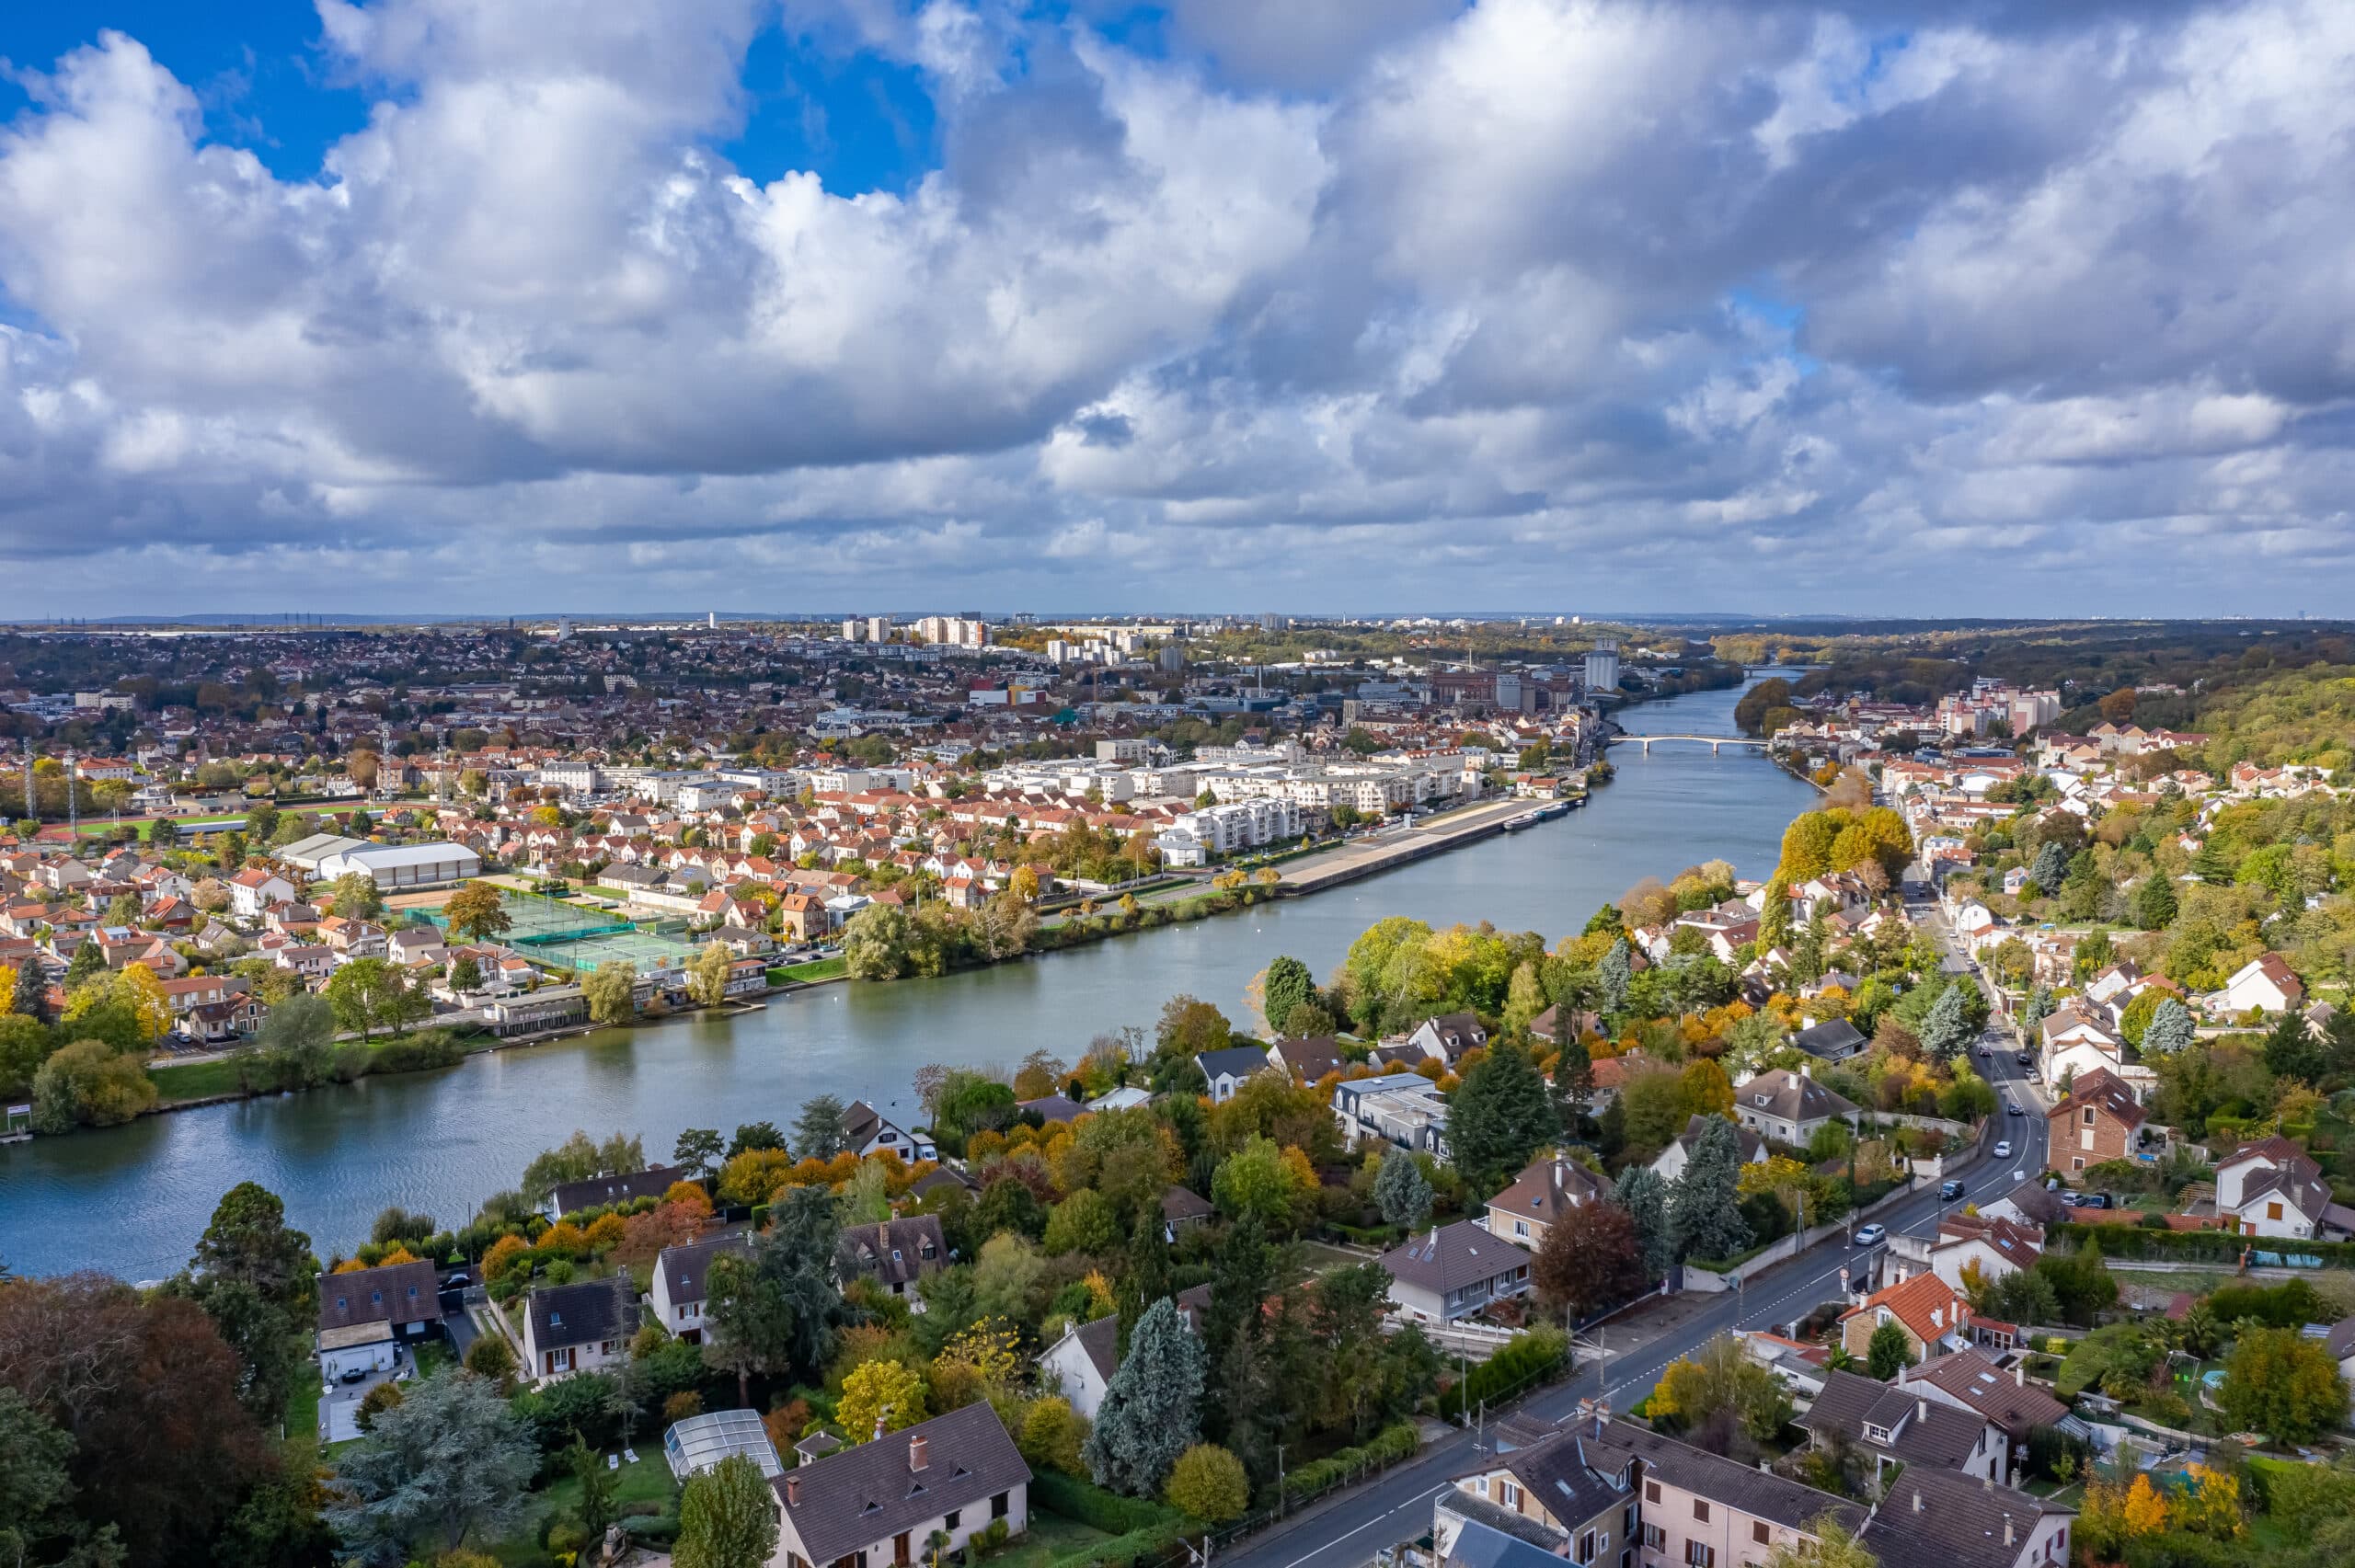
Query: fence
x=1394, y=1445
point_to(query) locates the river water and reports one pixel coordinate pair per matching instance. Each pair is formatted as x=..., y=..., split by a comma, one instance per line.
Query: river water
x=131, y=1200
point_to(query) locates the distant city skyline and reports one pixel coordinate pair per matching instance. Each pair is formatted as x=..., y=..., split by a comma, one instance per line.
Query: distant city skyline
x=1882, y=307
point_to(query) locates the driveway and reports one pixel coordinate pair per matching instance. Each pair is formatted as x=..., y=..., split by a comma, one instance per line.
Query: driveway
x=339, y=1406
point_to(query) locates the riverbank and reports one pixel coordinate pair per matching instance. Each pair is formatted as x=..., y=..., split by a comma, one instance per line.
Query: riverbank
x=133, y=1199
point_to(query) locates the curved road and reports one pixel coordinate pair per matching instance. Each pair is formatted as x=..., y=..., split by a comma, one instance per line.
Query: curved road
x=1345, y=1530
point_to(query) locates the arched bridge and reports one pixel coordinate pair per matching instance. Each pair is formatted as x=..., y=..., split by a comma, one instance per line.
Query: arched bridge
x=1712, y=741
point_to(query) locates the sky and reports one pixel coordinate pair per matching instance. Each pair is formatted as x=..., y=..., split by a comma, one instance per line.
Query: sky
x=2030, y=307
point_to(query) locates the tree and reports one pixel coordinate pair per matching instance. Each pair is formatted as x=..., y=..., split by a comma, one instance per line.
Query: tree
x=699, y=1149
x=355, y=897
x=1614, y=975
x=1834, y=1546
x=1500, y=1115
x=2280, y=1383
x=879, y=1397
x=1262, y=1179
x=24, y=1046
x=822, y=1130
x=28, y=997
x=478, y=912
x=34, y=1486
x=727, y=1518
x=1717, y=1391
x=452, y=1460
x=466, y=974
x=1946, y=1029
x=297, y=1045
x=1288, y=985
x=1573, y=1070
x=2170, y=1030
x=708, y=976
x=367, y=992
x=1889, y=1351
x=1083, y=1223
x=2052, y=867
x=2154, y=902
x=90, y=1084
x=1402, y=1191
x=1208, y=1484
x=611, y=991
x=1592, y=1259
x=1150, y=1414
x=597, y=1484
x=489, y=1357
x=1643, y=1192
x=1704, y=1208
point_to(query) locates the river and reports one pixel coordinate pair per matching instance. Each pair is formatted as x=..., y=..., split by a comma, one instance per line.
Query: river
x=131, y=1200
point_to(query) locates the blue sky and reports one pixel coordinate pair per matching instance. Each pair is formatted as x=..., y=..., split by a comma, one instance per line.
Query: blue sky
x=1942, y=305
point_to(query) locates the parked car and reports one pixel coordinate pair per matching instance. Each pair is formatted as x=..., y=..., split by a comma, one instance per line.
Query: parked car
x=2020, y=1058
x=354, y=1374
x=2003, y=1150
x=1871, y=1235
x=1949, y=1191
x=2086, y=1200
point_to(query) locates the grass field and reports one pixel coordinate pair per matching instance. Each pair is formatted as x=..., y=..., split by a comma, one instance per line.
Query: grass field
x=647, y=1481
x=194, y=1080
x=1050, y=1538
x=820, y=970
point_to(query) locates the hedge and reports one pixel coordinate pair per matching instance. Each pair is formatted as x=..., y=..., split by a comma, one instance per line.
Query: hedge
x=1386, y=1446
x=1122, y=1551
x=1532, y=1356
x=2193, y=1246
x=1097, y=1508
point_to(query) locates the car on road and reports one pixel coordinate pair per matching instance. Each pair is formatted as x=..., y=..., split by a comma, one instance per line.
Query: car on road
x=1871, y=1235
x=2003, y=1151
x=1983, y=1050
x=1949, y=1190
x=2012, y=1108
x=2019, y=1059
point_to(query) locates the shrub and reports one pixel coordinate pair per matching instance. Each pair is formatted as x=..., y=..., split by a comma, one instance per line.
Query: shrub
x=680, y=1406
x=1530, y=1356
x=1093, y=1506
x=1208, y=1484
x=383, y=1397
x=489, y=1356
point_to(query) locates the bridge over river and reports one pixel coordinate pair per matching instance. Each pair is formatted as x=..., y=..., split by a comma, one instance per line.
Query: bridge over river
x=1712, y=741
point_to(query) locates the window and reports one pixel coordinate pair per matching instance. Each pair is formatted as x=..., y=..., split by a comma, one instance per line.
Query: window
x=950, y=1522
x=1510, y=1491
x=1651, y=1492
x=1700, y=1510
x=1700, y=1556
x=1586, y=1547
x=997, y=1506
x=2089, y=1116
x=376, y=1298
x=1654, y=1537
x=1758, y=1531
x=2273, y=1211
x=1521, y=1227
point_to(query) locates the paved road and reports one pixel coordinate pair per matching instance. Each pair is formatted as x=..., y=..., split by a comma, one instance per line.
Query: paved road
x=1396, y=1506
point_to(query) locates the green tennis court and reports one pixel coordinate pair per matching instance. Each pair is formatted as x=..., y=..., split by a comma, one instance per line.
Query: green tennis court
x=585, y=953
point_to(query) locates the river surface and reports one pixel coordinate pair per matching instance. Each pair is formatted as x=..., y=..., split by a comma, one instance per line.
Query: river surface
x=131, y=1200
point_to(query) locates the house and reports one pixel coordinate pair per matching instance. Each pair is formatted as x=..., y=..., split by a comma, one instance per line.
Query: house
x=1901, y=1428
x=1082, y=1362
x=598, y=1192
x=574, y=1328
x=534, y=1012
x=418, y=945
x=1944, y=1517
x=1995, y=1248
x=1309, y=1058
x=2341, y=1343
x=1835, y=1040
x=2099, y=1120
x=1621, y=1493
x=1053, y=1108
x=1453, y=1271
x=1935, y=1320
x=2078, y=1037
x=2264, y=984
x=1671, y=1161
x=1403, y=1109
x=1182, y=1208
x=1790, y=1107
x=1448, y=1035
x=869, y=1133
x=256, y=888
x=1542, y=1194
x=893, y=1252
x=1226, y=1070
x=682, y=1280
x=1974, y=1380
x=365, y=1313
x=2273, y=1188
x=881, y=1501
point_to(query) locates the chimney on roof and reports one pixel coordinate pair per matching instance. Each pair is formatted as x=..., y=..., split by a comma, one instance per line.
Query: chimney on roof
x=1917, y=1501
x=2007, y=1530
x=2019, y=1375
x=1922, y=1407
x=916, y=1460
x=792, y=1490
x=1807, y=1069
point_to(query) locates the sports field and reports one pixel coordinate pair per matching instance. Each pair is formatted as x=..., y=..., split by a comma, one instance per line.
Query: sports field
x=644, y=949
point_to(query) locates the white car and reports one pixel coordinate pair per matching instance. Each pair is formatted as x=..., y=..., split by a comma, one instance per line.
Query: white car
x=2003, y=1150
x=1871, y=1235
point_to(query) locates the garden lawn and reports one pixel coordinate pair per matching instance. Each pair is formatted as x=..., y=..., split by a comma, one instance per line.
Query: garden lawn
x=194, y=1080
x=819, y=969
x=647, y=1481
x=1049, y=1537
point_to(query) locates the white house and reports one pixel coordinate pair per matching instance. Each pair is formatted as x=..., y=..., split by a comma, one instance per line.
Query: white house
x=577, y=1327
x=256, y=888
x=2264, y=983
x=2273, y=1188
x=1788, y=1106
x=1225, y=1071
x=869, y=1133
x=365, y=1313
x=682, y=1284
x=1671, y=1161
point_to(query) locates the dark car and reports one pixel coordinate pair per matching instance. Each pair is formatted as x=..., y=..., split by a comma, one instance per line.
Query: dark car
x=2020, y=1059
x=2012, y=1108
x=354, y=1374
x=1949, y=1191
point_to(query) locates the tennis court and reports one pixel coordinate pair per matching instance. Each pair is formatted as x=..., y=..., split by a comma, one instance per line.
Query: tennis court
x=586, y=953
x=540, y=920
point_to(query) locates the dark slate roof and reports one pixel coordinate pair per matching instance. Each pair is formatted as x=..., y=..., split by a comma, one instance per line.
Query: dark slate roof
x=1183, y=1203
x=686, y=1267
x=2016, y=1405
x=1926, y=1432
x=583, y=1313
x=1310, y=1057
x=1791, y=1097
x=870, y=1493
x=1832, y=1040
x=1933, y=1516
x=1452, y=1256
x=1548, y=1189
x=1754, y=1492
x=598, y=1191
x=938, y=1177
x=1054, y=1108
x=1481, y=1545
x=1572, y=1475
x=401, y=1293
x=1236, y=1061
x=1497, y=1517
x=2340, y=1341
x=895, y=1251
x=1101, y=1341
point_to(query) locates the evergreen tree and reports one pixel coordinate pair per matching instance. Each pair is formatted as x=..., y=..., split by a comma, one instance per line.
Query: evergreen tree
x=88, y=961
x=1604, y=921
x=1573, y=1072
x=31, y=997
x=1288, y=985
x=1243, y=1399
x=2154, y=902
x=1946, y=1028
x=1888, y=1353
x=1642, y=1193
x=2290, y=1048
x=2170, y=1030
x=2038, y=1008
x=1614, y=974
x=727, y=1518
x=1151, y=1411
x=1499, y=1117
x=2051, y=868
x=820, y=1132
x=1705, y=1214
x=1775, y=913
x=1402, y=1191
